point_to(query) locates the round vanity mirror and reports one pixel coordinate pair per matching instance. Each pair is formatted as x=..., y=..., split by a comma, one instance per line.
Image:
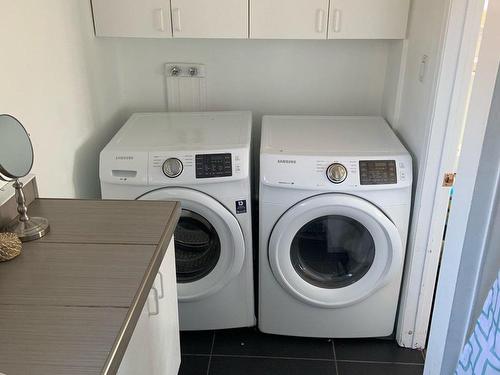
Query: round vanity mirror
x=16, y=161
x=16, y=151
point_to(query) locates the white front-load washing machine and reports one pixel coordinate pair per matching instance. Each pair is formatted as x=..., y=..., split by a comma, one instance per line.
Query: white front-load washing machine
x=203, y=161
x=335, y=195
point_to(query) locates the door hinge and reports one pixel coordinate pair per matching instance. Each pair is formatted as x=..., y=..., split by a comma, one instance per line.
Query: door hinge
x=449, y=179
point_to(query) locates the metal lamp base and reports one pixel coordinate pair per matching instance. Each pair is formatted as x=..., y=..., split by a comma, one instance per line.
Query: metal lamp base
x=33, y=229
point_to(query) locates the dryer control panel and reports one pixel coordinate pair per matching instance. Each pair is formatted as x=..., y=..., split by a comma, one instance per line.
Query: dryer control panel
x=377, y=172
x=213, y=165
x=336, y=173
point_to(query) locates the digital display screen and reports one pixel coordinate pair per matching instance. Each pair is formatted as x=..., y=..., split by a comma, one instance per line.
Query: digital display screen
x=377, y=172
x=213, y=165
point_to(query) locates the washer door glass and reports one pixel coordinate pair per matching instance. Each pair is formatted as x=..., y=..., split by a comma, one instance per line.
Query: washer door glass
x=209, y=244
x=332, y=251
x=197, y=247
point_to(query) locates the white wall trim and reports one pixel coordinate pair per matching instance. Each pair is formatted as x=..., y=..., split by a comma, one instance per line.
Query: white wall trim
x=459, y=39
x=416, y=253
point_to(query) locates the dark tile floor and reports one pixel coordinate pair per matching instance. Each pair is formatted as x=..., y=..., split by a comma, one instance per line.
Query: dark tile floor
x=249, y=352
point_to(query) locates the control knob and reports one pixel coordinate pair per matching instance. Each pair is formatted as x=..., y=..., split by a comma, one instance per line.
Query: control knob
x=172, y=167
x=336, y=173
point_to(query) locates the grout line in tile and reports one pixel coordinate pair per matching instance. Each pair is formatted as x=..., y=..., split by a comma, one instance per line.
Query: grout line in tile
x=195, y=355
x=385, y=362
x=271, y=357
x=211, y=352
x=335, y=357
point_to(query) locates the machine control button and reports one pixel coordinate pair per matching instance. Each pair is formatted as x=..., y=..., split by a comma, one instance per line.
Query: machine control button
x=336, y=173
x=172, y=167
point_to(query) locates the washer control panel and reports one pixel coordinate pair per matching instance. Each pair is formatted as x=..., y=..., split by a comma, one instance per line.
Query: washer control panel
x=213, y=165
x=173, y=167
x=336, y=173
x=197, y=167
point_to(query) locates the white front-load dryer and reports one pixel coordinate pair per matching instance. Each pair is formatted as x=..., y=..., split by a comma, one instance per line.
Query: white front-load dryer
x=334, y=210
x=203, y=161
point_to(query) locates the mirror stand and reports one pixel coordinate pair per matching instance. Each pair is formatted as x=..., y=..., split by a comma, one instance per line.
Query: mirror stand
x=27, y=228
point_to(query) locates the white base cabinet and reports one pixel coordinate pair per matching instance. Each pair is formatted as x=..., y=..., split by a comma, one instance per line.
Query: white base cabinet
x=154, y=347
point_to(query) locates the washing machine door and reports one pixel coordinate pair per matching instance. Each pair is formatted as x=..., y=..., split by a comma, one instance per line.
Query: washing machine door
x=209, y=243
x=334, y=250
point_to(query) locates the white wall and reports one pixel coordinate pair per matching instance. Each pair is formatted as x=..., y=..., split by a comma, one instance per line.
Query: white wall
x=424, y=37
x=61, y=84
x=265, y=76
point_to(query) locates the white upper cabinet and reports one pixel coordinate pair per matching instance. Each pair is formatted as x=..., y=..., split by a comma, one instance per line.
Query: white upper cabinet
x=368, y=19
x=288, y=19
x=269, y=19
x=132, y=18
x=210, y=18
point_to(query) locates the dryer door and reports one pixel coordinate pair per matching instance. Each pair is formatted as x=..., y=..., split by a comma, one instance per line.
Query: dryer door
x=209, y=243
x=334, y=250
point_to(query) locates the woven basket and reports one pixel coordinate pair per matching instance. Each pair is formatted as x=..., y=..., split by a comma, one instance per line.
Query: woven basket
x=10, y=246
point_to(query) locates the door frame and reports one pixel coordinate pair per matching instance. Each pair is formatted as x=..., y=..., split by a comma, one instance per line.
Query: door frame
x=460, y=33
x=456, y=291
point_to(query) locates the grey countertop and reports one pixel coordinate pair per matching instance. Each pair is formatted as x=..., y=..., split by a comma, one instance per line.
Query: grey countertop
x=69, y=303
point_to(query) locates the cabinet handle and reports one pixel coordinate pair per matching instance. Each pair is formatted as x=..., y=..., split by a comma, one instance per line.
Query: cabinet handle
x=156, y=311
x=337, y=20
x=320, y=21
x=162, y=291
x=176, y=18
x=159, y=19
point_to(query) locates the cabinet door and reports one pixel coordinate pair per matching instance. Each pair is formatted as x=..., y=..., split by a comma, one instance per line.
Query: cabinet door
x=154, y=347
x=210, y=18
x=165, y=332
x=368, y=19
x=138, y=358
x=132, y=18
x=288, y=19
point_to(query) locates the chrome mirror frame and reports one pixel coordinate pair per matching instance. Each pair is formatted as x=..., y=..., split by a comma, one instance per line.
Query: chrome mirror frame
x=25, y=227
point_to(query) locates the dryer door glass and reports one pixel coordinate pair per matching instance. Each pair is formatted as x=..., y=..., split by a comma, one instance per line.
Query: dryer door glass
x=197, y=247
x=332, y=251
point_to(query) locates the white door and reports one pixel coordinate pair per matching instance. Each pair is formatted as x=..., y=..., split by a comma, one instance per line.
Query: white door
x=210, y=18
x=288, y=19
x=368, y=19
x=334, y=250
x=132, y=18
x=209, y=243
